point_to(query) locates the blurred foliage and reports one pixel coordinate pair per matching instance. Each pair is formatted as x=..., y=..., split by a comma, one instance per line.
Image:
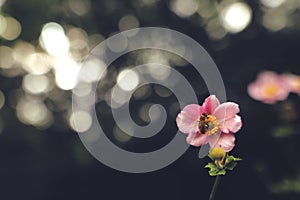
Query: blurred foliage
x=286, y=186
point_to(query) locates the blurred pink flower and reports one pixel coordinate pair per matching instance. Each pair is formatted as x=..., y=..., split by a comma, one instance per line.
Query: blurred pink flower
x=212, y=123
x=269, y=87
x=293, y=82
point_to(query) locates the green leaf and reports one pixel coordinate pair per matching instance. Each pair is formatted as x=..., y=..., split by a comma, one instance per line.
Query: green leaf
x=210, y=165
x=217, y=173
x=231, y=162
x=230, y=159
x=214, y=170
x=237, y=159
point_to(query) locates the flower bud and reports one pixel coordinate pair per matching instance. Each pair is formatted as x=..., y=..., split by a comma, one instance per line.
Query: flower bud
x=217, y=154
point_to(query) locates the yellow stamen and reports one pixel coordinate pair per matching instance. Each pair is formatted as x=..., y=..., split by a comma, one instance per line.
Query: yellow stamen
x=271, y=90
x=298, y=83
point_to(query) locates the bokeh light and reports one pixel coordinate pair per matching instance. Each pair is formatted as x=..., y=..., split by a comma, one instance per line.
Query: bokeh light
x=162, y=91
x=117, y=99
x=120, y=135
x=236, y=17
x=3, y=24
x=128, y=22
x=80, y=7
x=66, y=72
x=92, y=70
x=80, y=121
x=144, y=112
x=34, y=112
x=38, y=63
x=94, y=40
x=128, y=79
x=142, y=92
x=11, y=28
x=36, y=84
x=184, y=8
x=6, y=57
x=118, y=44
x=82, y=89
x=22, y=50
x=54, y=40
x=215, y=30
x=78, y=40
x=158, y=72
x=2, y=2
x=274, y=25
x=149, y=110
x=272, y=3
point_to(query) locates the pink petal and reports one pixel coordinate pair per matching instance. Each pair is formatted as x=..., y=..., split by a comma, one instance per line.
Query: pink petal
x=210, y=104
x=187, y=119
x=266, y=76
x=232, y=125
x=292, y=82
x=259, y=89
x=196, y=139
x=254, y=90
x=226, y=142
x=226, y=111
x=213, y=139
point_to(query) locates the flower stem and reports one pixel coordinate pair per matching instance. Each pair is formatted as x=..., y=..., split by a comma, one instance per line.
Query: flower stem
x=214, y=188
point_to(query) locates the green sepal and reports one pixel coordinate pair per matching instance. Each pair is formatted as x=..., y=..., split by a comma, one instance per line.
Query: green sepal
x=231, y=158
x=210, y=165
x=214, y=170
x=231, y=162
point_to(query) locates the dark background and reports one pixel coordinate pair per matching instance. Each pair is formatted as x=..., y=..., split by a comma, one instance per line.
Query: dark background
x=51, y=163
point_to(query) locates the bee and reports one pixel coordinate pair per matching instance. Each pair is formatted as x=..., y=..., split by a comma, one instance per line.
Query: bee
x=203, y=117
x=203, y=126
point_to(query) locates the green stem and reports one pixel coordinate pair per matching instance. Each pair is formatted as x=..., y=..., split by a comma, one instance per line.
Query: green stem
x=214, y=188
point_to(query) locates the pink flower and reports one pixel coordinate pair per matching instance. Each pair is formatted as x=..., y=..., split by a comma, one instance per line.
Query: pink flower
x=212, y=123
x=269, y=88
x=293, y=82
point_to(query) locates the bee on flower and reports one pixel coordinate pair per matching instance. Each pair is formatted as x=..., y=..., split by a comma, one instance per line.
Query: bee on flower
x=212, y=123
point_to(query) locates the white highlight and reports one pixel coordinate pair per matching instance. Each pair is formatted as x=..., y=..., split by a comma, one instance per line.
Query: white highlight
x=118, y=44
x=92, y=70
x=34, y=112
x=66, y=71
x=272, y=3
x=54, y=40
x=36, y=84
x=38, y=63
x=184, y=8
x=127, y=80
x=12, y=28
x=236, y=17
x=83, y=121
